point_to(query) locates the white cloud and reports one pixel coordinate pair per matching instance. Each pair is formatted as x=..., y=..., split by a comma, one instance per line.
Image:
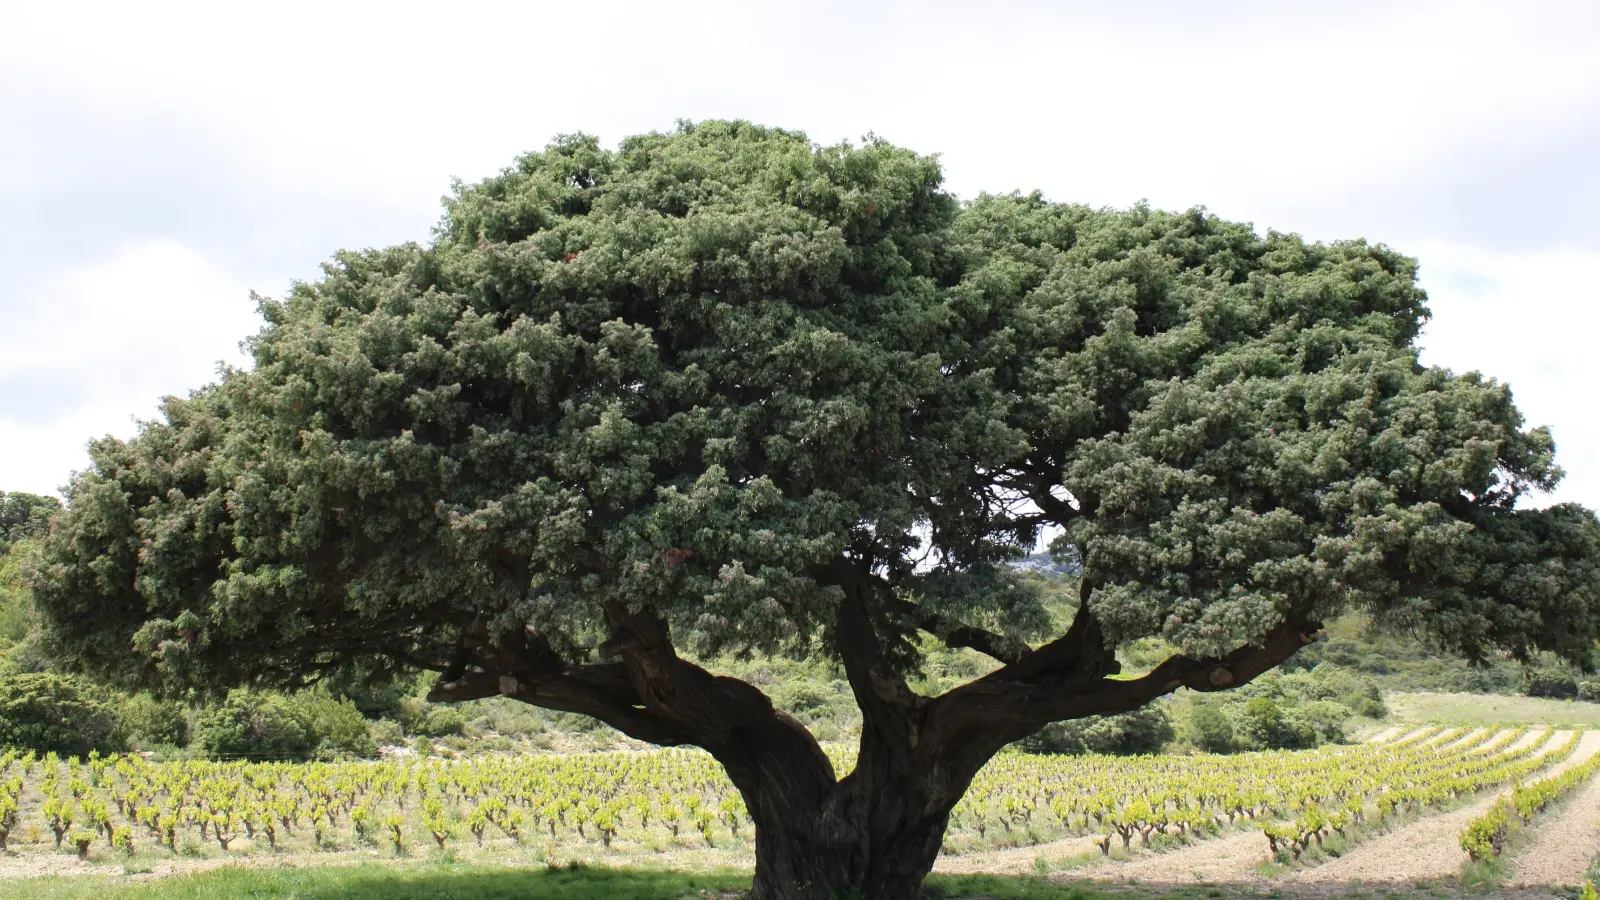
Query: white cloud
x=88, y=352
x=1530, y=320
x=1249, y=111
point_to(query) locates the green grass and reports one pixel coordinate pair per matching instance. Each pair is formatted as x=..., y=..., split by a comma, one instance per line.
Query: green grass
x=461, y=881
x=379, y=882
x=447, y=881
x=1490, y=709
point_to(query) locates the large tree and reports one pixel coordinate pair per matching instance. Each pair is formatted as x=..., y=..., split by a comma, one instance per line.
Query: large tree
x=724, y=390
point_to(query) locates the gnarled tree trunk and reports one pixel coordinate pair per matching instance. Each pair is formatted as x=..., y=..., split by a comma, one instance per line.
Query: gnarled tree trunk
x=871, y=856
x=875, y=833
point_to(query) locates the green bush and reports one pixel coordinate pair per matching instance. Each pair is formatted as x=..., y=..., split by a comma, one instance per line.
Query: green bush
x=1326, y=718
x=1551, y=682
x=1363, y=705
x=256, y=725
x=1327, y=681
x=443, y=721
x=503, y=716
x=1208, y=728
x=262, y=725
x=337, y=726
x=16, y=605
x=386, y=732
x=1263, y=724
x=375, y=694
x=52, y=714
x=431, y=719
x=810, y=700
x=1589, y=690
x=149, y=722
x=1144, y=730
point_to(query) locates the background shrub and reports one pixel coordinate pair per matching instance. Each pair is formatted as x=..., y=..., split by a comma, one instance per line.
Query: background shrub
x=1144, y=730
x=256, y=725
x=337, y=726
x=149, y=722
x=1208, y=728
x=1551, y=682
x=1262, y=724
x=50, y=713
x=431, y=720
x=261, y=725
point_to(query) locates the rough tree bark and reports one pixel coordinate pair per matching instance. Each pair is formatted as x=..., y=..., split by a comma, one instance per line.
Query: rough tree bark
x=876, y=832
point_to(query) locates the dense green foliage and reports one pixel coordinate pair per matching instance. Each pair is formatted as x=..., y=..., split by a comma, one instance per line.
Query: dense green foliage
x=687, y=373
x=16, y=603
x=51, y=714
x=153, y=723
x=1399, y=662
x=1301, y=709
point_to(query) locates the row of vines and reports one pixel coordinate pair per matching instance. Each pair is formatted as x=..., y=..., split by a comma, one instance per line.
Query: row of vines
x=1487, y=836
x=680, y=799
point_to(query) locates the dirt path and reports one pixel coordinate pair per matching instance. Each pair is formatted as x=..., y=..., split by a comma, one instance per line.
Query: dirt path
x=1563, y=844
x=1014, y=860
x=1426, y=849
x=1223, y=859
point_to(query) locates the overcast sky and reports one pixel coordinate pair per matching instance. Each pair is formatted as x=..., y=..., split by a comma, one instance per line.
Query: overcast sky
x=157, y=162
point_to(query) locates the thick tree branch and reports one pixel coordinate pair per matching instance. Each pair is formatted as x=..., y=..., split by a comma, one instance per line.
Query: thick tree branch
x=1081, y=651
x=726, y=716
x=1037, y=481
x=995, y=646
x=978, y=718
x=1207, y=674
x=889, y=708
x=959, y=636
x=582, y=689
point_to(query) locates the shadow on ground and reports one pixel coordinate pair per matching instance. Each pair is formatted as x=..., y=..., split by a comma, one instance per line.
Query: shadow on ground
x=463, y=882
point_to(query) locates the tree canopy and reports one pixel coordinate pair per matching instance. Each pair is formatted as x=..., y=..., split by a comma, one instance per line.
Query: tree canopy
x=24, y=515
x=729, y=390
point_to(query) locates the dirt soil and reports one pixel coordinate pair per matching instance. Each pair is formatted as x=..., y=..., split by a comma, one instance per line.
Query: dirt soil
x=1428, y=848
x=1564, y=843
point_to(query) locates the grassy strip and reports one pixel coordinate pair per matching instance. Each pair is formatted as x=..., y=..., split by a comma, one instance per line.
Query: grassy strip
x=455, y=881
x=387, y=882
x=1489, y=709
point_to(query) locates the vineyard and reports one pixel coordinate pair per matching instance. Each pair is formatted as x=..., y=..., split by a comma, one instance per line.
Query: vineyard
x=594, y=805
